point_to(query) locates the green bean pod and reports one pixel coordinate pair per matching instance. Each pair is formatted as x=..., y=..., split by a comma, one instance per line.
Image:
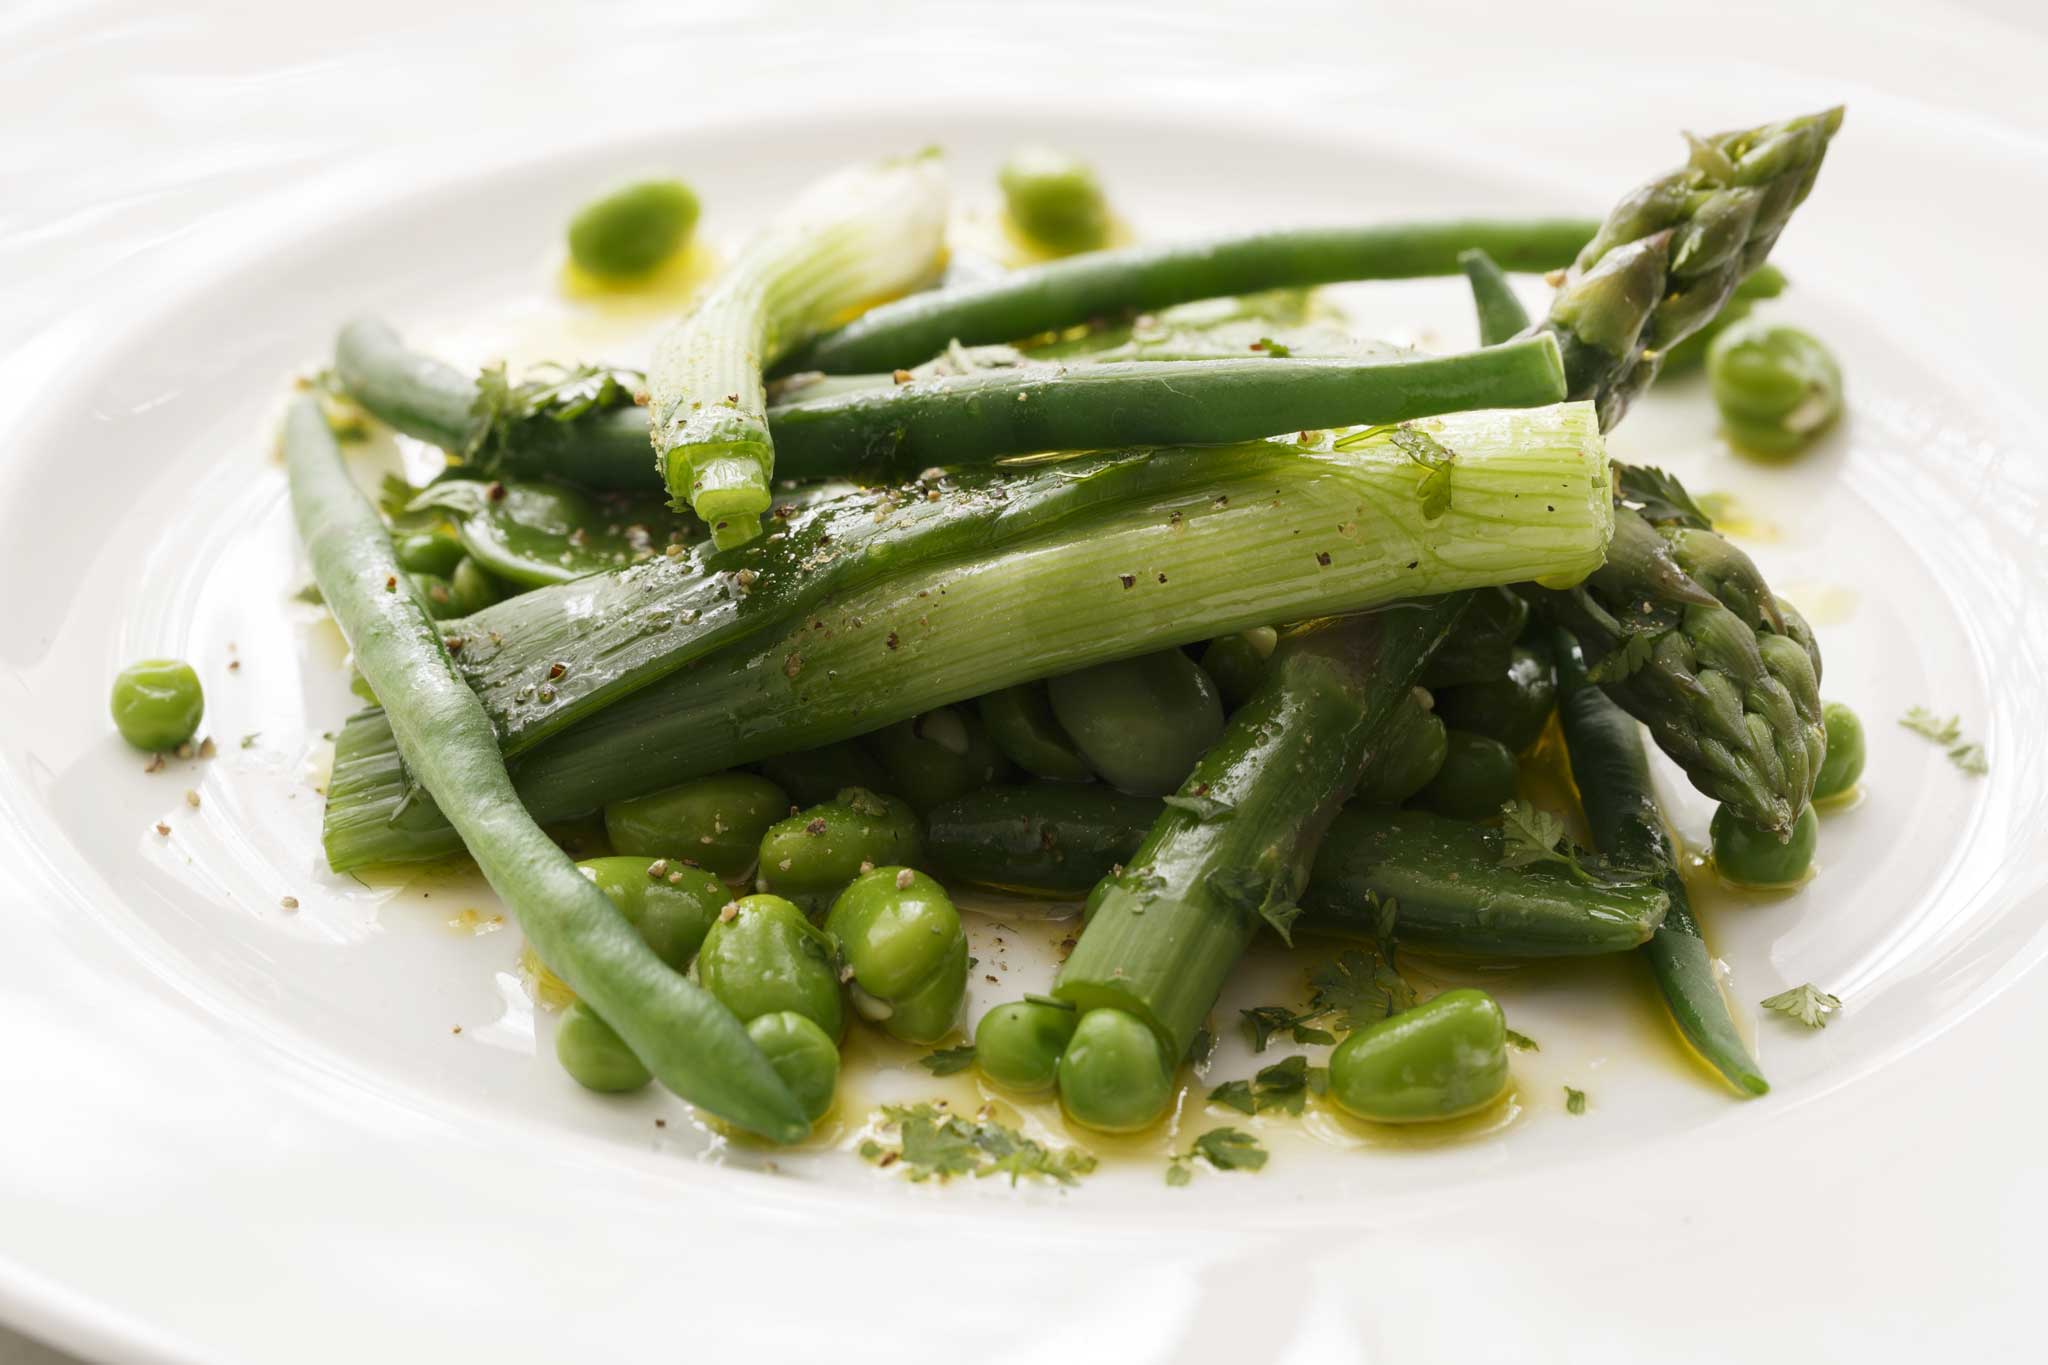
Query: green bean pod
x=1501, y=314
x=1446, y=1057
x=715, y=822
x=766, y=957
x=1141, y=723
x=672, y=906
x=816, y=852
x=901, y=936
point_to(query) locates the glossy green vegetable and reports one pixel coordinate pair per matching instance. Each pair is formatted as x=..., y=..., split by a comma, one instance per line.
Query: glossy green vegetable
x=814, y=776
x=534, y=534
x=1501, y=314
x=819, y=850
x=766, y=957
x=1760, y=857
x=474, y=588
x=1844, y=763
x=1237, y=662
x=1456, y=896
x=1141, y=723
x=1047, y=838
x=690, y=1042
x=1021, y=723
x=1046, y=298
x=632, y=230
x=1778, y=388
x=936, y=756
x=1613, y=777
x=1765, y=282
x=803, y=1054
x=428, y=552
x=1512, y=708
x=1018, y=1045
x=1114, y=1076
x=899, y=932
x=1409, y=756
x=1477, y=777
x=672, y=906
x=715, y=822
x=437, y=595
x=1054, y=198
x=157, y=703
x=1483, y=645
x=594, y=1055
x=1447, y=1056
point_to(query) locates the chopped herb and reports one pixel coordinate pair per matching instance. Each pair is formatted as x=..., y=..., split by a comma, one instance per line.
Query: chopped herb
x=1522, y=1042
x=1201, y=1048
x=1263, y=1021
x=249, y=740
x=1809, y=1004
x=1272, y=348
x=1358, y=988
x=947, y=1061
x=1420, y=447
x=1529, y=835
x=1226, y=1149
x=1574, y=1101
x=1284, y=1086
x=1660, y=498
x=1177, y=1173
x=1965, y=754
x=556, y=393
x=933, y=1144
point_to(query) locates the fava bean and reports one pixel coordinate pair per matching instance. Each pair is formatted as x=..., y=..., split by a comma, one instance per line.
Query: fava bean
x=1114, y=1075
x=900, y=934
x=1141, y=723
x=632, y=230
x=802, y=1054
x=766, y=957
x=716, y=821
x=934, y=757
x=817, y=851
x=594, y=1056
x=1406, y=757
x=1512, y=708
x=1447, y=1056
x=673, y=906
x=1021, y=724
x=813, y=776
x=1478, y=777
x=1054, y=198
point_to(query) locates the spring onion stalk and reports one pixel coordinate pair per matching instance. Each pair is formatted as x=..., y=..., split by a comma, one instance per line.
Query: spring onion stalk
x=1613, y=776
x=685, y=1037
x=849, y=242
x=1213, y=539
x=1105, y=284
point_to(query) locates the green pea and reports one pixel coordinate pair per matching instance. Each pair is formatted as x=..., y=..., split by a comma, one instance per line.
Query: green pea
x=157, y=703
x=813, y=776
x=1844, y=761
x=817, y=851
x=768, y=957
x=1478, y=777
x=1778, y=388
x=1408, y=755
x=1018, y=1045
x=474, y=588
x=595, y=1056
x=1764, y=282
x=1020, y=722
x=715, y=822
x=428, y=552
x=1750, y=856
x=1481, y=643
x=438, y=594
x=673, y=906
x=1054, y=198
x=1447, y=1056
x=1114, y=1076
x=1512, y=708
x=802, y=1054
x=944, y=753
x=632, y=230
x=898, y=931
x=1141, y=723
x=1238, y=662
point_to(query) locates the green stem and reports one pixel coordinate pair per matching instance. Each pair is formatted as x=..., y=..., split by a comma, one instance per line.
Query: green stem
x=1501, y=314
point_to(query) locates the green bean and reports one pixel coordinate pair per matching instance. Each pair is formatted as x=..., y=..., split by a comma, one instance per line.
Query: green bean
x=714, y=822
x=937, y=756
x=1021, y=723
x=1019, y=1045
x=594, y=1055
x=1478, y=776
x=1447, y=1056
x=1114, y=1076
x=632, y=230
x=1844, y=762
x=817, y=851
x=428, y=552
x=803, y=1054
x=765, y=956
x=672, y=906
x=814, y=776
x=1778, y=388
x=1141, y=723
x=1237, y=662
x=901, y=936
x=157, y=703
x=1410, y=754
x=1480, y=649
x=1055, y=199
x=1759, y=857
x=1047, y=838
x=1512, y=708
x=1501, y=314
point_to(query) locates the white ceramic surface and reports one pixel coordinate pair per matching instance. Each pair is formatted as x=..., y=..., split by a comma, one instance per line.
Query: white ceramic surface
x=236, y=1133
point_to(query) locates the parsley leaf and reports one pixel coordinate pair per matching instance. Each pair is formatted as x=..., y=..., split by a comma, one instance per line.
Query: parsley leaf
x=1809, y=1004
x=558, y=393
x=1436, y=458
x=933, y=1144
x=1660, y=497
x=1273, y=348
x=1177, y=1173
x=1574, y=1101
x=1285, y=1086
x=1965, y=754
x=1263, y=1021
x=1228, y=1149
x=1530, y=836
x=1522, y=1042
x=1358, y=988
x=947, y=1061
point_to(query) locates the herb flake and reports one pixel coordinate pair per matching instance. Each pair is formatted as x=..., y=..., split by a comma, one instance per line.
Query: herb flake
x=1807, y=1003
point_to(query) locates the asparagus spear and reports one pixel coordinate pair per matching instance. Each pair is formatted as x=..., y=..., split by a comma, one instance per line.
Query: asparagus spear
x=849, y=242
x=1613, y=778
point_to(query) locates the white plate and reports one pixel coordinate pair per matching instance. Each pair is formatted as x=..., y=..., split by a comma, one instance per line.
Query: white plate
x=234, y=1132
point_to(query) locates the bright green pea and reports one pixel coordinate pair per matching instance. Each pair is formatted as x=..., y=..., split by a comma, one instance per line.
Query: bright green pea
x=632, y=230
x=1114, y=1076
x=438, y=594
x=1447, y=1056
x=944, y=753
x=1478, y=777
x=1238, y=662
x=1512, y=708
x=1759, y=857
x=715, y=822
x=672, y=906
x=768, y=957
x=898, y=931
x=1778, y=388
x=1020, y=722
x=157, y=703
x=1018, y=1045
x=595, y=1056
x=1054, y=198
x=1407, y=756
x=816, y=852
x=801, y=1053
x=1141, y=723
x=428, y=552
x=1844, y=762
x=813, y=776
x=474, y=588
